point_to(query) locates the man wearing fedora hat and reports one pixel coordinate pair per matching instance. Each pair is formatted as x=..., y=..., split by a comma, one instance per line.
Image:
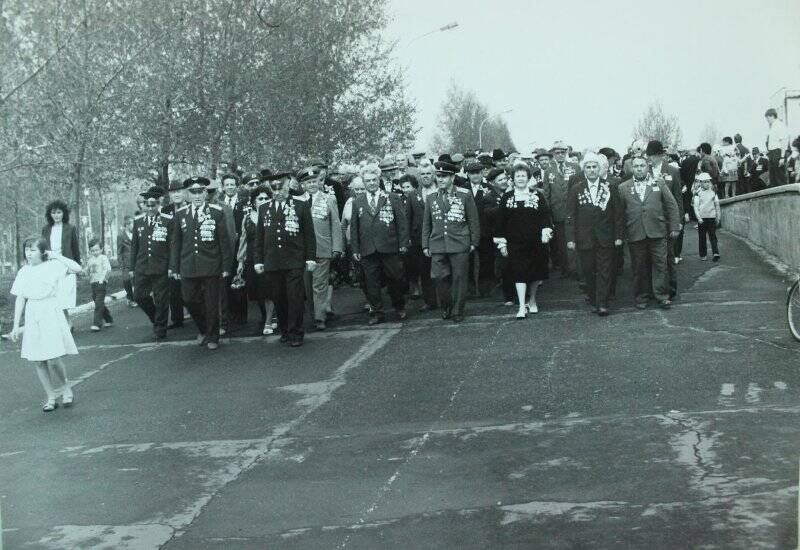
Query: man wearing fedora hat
x=450, y=232
x=201, y=254
x=149, y=260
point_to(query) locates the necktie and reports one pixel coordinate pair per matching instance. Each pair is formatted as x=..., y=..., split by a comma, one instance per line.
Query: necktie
x=561, y=167
x=372, y=201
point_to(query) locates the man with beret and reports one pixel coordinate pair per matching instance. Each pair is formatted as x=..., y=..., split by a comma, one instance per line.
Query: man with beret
x=201, y=254
x=285, y=246
x=379, y=234
x=651, y=216
x=329, y=245
x=149, y=260
x=450, y=233
x=671, y=177
x=177, y=199
x=555, y=187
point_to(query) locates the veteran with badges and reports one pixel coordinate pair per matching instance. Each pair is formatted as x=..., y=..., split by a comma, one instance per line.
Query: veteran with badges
x=450, y=233
x=594, y=227
x=285, y=246
x=379, y=233
x=149, y=260
x=201, y=254
x=328, y=234
x=651, y=215
x=555, y=187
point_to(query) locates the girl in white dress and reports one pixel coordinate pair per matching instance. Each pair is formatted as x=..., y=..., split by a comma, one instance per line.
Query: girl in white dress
x=46, y=336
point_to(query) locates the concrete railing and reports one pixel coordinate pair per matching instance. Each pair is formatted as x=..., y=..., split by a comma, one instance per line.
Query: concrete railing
x=770, y=219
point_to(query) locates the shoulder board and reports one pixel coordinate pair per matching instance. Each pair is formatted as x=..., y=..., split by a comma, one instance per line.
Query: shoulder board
x=139, y=217
x=463, y=190
x=182, y=208
x=215, y=207
x=168, y=216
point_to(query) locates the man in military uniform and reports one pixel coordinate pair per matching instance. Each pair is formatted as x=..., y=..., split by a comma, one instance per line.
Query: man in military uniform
x=379, y=234
x=201, y=255
x=450, y=233
x=285, y=245
x=177, y=199
x=149, y=260
x=555, y=187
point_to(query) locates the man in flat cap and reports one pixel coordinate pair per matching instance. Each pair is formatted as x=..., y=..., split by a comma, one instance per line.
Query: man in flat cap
x=450, y=232
x=379, y=234
x=150, y=251
x=201, y=254
x=285, y=246
x=555, y=187
x=671, y=177
x=328, y=234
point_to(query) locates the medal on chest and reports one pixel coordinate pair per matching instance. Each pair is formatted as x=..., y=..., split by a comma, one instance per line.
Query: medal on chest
x=291, y=223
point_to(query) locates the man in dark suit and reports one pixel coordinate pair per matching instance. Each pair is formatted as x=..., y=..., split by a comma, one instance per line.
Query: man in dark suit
x=474, y=170
x=555, y=186
x=497, y=178
x=177, y=200
x=594, y=226
x=417, y=265
x=379, y=235
x=285, y=246
x=201, y=254
x=671, y=178
x=149, y=258
x=450, y=233
x=651, y=215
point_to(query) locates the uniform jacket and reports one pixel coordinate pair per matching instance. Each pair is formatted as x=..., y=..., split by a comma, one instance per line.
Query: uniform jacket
x=200, y=248
x=284, y=237
x=416, y=213
x=327, y=226
x=70, y=244
x=598, y=222
x=383, y=230
x=652, y=218
x=555, y=186
x=671, y=177
x=150, y=245
x=124, y=251
x=451, y=223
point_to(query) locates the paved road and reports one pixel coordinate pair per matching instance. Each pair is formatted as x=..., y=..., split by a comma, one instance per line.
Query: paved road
x=671, y=429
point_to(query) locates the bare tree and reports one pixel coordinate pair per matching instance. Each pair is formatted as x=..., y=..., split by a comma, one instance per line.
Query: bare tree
x=655, y=124
x=709, y=133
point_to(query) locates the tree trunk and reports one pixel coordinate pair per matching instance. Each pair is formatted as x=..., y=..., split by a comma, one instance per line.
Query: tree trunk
x=102, y=221
x=77, y=182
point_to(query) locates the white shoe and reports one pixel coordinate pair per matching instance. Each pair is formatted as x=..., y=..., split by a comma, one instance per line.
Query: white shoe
x=508, y=304
x=267, y=329
x=106, y=324
x=94, y=328
x=67, y=397
x=222, y=332
x=533, y=308
x=522, y=312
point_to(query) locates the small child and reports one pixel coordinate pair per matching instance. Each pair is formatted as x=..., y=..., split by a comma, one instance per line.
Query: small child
x=46, y=336
x=98, y=268
x=706, y=209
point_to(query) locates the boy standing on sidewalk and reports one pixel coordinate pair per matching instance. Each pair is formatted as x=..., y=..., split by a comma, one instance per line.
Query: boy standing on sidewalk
x=98, y=268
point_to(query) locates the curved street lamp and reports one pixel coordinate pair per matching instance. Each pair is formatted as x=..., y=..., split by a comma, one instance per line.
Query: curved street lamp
x=480, y=126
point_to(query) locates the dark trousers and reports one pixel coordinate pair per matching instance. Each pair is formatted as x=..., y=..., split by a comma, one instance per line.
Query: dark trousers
x=101, y=312
x=708, y=227
x=451, y=272
x=777, y=174
x=597, y=266
x=649, y=262
x=558, y=249
x=175, y=301
x=224, y=304
x=672, y=269
x=201, y=296
x=678, y=246
x=501, y=266
x=418, y=266
x=288, y=291
x=383, y=267
x=152, y=295
x=128, y=286
x=619, y=264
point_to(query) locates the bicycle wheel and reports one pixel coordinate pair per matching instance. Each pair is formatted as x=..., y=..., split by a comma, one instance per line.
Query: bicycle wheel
x=793, y=310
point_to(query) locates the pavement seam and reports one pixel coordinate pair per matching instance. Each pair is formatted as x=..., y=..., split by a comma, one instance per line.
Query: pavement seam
x=384, y=490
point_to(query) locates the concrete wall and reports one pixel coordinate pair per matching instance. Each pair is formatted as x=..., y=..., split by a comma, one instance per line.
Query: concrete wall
x=769, y=219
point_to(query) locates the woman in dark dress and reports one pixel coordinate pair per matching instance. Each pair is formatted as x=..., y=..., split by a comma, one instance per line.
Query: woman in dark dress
x=255, y=284
x=524, y=227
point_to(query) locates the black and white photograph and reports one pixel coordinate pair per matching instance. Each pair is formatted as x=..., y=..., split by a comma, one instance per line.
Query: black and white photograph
x=399, y=274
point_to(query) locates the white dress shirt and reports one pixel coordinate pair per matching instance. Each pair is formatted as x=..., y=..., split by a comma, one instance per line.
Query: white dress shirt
x=778, y=136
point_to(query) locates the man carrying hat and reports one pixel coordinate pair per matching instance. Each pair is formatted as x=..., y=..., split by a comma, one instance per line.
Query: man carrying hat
x=201, y=254
x=285, y=246
x=450, y=232
x=149, y=260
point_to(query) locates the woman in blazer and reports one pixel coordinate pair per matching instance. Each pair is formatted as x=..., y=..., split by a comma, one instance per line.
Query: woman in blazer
x=62, y=238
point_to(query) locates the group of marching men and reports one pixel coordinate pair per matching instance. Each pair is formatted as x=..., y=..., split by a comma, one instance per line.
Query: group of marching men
x=433, y=229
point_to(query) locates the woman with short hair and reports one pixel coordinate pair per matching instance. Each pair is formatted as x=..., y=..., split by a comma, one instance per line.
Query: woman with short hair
x=255, y=284
x=62, y=238
x=524, y=227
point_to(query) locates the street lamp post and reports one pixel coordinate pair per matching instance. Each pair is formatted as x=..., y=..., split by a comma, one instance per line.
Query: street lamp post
x=480, y=126
x=451, y=25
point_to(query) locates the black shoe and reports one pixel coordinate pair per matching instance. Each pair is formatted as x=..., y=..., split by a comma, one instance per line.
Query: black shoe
x=447, y=312
x=375, y=320
x=458, y=318
x=331, y=316
x=319, y=325
x=602, y=312
x=715, y=258
x=175, y=325
x=665, y=304
x=284, y=338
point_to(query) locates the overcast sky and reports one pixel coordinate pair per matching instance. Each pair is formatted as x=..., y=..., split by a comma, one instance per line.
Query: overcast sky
x=585, y=70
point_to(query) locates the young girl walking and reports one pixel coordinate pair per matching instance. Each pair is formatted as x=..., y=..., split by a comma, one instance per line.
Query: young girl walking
x=46, y=336
x=706, y=209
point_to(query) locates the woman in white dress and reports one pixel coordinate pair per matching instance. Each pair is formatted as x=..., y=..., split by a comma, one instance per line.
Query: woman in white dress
x=46, y=336
x=62, y=238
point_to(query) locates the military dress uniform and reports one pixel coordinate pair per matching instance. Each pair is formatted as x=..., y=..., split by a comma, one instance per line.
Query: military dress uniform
x=201, y=253
x=149, y=261
x=284, y=243
x=449, y=229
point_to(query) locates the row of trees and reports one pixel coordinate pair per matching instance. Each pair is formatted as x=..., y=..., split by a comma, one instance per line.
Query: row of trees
x=101, y=93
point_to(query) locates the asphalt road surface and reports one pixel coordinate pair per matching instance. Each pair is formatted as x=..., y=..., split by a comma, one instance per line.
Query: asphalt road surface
x=646, y=429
